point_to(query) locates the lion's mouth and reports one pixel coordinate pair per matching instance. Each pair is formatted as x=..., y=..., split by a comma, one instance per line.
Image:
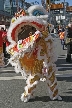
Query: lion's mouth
x=24, y=27
x=26, y=31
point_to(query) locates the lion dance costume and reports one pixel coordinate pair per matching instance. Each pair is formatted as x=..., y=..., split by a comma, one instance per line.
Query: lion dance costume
x=32, y=50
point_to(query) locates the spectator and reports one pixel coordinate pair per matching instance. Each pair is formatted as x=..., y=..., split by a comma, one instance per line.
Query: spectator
x=59, y=29
x=4, y=36
x=1, y=39
x=1, y=49
x=69, y=45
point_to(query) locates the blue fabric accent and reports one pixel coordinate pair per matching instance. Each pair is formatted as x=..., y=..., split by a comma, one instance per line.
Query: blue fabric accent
x=38, y=13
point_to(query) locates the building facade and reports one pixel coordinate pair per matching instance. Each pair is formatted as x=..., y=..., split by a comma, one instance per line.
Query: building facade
x=1, y=4
x=11, y=8
x=4, y=15
x=14, y=6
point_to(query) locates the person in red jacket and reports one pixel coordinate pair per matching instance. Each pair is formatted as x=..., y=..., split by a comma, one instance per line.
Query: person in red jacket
x=4, y=36
x=1, y=39
x=1, y=49
x=5, y=44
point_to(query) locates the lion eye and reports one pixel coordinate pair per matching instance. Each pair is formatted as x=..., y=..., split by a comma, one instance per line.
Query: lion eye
x=37, y=13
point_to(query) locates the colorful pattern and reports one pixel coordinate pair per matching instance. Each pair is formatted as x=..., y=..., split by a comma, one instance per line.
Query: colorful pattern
x=22, y=43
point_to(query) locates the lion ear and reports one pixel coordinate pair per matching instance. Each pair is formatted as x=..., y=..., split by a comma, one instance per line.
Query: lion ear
x=13, y=20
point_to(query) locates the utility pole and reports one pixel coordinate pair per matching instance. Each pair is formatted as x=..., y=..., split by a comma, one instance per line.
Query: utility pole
x=65, y=13
x=17, y=5
x=23, y=3
x=48, y=8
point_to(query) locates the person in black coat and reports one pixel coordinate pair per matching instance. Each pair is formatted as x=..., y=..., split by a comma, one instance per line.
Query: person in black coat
x=69, y=46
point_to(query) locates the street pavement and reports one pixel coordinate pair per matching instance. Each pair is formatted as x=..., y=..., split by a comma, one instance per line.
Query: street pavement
x=12, y=86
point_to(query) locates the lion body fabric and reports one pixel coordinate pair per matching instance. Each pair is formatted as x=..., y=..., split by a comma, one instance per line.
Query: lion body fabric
x=34, y=57
x=36, y=63
x=39, y=63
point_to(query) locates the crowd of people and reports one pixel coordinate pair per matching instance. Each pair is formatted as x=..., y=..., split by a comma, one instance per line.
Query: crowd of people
x=65, y=36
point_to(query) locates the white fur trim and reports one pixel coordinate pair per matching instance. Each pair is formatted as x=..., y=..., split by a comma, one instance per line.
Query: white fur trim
x=25, y=99
x=27, y=19
x=36, y=7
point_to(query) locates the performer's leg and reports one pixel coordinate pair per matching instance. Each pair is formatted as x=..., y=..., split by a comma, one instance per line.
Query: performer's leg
x=52, y=84
x=30, y=87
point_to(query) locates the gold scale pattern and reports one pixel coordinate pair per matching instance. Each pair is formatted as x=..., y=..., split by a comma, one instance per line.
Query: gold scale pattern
x=35, y=66
x=32, y=63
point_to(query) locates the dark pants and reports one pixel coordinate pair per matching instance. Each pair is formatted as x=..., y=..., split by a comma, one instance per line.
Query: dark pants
x=62, y=43
x=69, y=52
x=4, y=48
x=6, y=55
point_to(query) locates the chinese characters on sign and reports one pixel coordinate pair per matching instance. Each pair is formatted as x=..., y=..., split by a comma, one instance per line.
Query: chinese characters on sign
x=69, y=8
x=57, y=6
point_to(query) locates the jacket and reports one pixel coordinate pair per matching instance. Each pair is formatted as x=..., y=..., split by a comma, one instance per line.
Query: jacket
x=69, y=32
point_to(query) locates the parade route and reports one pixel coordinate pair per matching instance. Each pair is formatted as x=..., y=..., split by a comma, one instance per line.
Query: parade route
x=20, y=77
x=12, y=84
